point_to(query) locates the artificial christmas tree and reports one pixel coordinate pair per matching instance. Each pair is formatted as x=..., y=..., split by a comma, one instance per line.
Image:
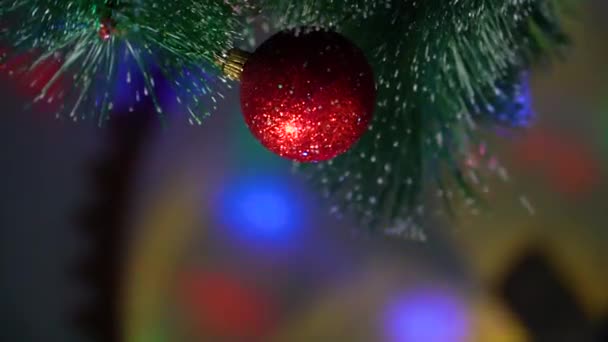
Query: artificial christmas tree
x=442, y=68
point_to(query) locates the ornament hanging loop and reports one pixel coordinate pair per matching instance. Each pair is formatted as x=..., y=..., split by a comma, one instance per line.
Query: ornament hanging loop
x=233, y=62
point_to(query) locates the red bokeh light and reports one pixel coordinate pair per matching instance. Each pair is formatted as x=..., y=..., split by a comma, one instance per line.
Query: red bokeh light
x=567, y=164
x=30, y=83
x=223, y=306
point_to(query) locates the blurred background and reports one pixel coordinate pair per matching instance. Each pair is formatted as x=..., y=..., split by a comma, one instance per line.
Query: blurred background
x=140, y=233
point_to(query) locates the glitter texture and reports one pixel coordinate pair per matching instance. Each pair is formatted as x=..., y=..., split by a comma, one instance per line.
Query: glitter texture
x=307, y=95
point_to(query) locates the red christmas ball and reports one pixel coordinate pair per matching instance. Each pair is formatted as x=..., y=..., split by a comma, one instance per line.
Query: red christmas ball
x=307, y=95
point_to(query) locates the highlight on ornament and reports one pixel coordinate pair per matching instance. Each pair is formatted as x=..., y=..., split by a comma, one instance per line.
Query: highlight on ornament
x=178, y=41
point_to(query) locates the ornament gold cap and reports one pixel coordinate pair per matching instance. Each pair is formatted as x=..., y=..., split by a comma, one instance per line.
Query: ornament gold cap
x=233, y=62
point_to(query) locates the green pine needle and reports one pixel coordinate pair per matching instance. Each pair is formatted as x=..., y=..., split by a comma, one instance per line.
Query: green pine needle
x=180, y=38
x=323, y=13
x=433, y=60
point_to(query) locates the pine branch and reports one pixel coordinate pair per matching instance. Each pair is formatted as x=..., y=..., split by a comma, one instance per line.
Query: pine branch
x=440, y=65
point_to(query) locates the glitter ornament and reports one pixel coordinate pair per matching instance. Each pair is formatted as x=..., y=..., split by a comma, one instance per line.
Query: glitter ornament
x=306, y=94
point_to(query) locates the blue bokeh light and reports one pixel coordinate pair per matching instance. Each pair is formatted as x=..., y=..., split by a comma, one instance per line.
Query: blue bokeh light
x=262, y=207
x=508, y=105
x=188, y=83
x=517, y=110
x=129, y=87
x=427, y=315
